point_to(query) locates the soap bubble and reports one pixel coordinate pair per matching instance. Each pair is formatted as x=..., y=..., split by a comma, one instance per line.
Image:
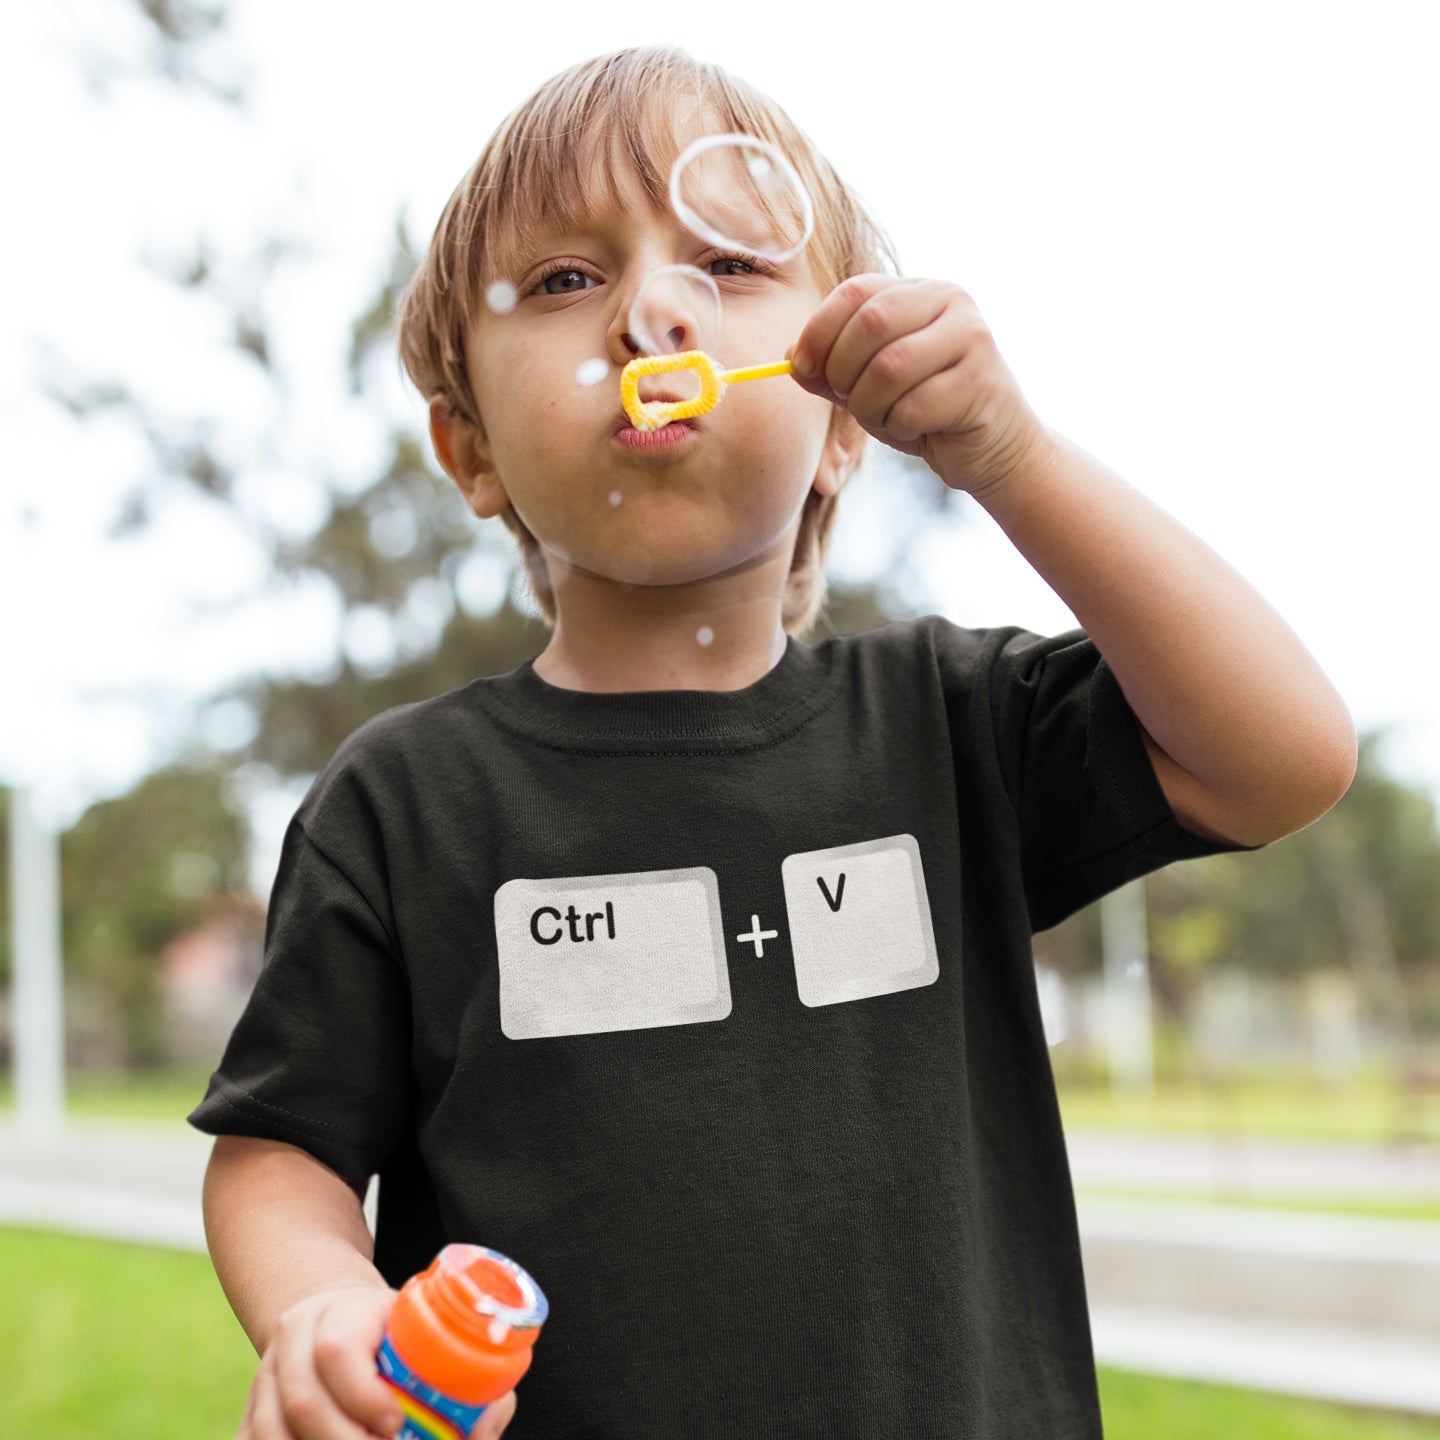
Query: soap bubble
x=676, y=308
x=592, y=372
x=742, y=193
x=502, y=297
x=616, y=497
x=705, y=635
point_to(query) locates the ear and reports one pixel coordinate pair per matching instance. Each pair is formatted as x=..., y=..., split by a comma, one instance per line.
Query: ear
x=844, y=445
x=464, y=455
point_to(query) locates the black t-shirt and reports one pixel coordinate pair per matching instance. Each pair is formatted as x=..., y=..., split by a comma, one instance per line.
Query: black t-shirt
x=717, y=1012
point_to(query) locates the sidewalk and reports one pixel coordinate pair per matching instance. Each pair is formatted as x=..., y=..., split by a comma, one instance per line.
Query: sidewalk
x=1242, y=1167
x=1338, y=1307
x=107, y=1178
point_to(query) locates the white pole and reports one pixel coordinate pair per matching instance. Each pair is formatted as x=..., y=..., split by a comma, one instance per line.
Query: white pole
x=37, y=1010
x=1127, y=988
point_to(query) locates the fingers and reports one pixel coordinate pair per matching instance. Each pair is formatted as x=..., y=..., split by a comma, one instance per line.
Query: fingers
x=347, y=1334
x=924, y=363
x=496, y=1418
x=915, y=364
x=871, y=344
x=811, y=355
x=317, y=1380
x=263, y=1420
x=310, y=1411
x=877, y=338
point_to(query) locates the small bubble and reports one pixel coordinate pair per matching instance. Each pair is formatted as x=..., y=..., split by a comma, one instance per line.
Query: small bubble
x=502, y=297
x=592, y=372
x=616, y=497
x=1135, y=970
x=705, y=635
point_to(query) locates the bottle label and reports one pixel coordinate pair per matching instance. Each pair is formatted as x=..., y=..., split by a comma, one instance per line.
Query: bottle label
x=429, y=1415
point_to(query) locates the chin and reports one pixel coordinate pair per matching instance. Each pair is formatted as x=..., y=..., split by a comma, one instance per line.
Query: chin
x=695, y=552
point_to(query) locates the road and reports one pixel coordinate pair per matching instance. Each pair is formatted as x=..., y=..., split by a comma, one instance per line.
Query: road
x=1337, y=1307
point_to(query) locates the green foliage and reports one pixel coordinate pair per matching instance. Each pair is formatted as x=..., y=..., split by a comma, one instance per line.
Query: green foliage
x=1358, y=892
x=137, y=871
x=1365, y=876
x=373, y=333
x=402, y=528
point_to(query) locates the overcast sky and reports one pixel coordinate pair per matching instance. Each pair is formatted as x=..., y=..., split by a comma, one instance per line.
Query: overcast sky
x=1205, y=239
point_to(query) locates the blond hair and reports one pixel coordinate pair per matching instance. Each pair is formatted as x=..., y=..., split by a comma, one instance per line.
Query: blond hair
x=527, y=175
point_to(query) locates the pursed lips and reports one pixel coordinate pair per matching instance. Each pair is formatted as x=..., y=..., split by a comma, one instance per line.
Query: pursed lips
x=662, y=398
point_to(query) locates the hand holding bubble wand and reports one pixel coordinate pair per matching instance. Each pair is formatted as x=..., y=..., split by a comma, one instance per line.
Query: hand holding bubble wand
x=738, y=192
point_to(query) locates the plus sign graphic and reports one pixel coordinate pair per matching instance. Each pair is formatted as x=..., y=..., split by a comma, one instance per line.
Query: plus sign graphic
x=757, y=937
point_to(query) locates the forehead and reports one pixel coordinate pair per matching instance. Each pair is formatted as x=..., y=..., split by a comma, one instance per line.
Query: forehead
x=561, y=176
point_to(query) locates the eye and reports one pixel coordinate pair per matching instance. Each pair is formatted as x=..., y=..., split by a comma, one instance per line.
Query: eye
x=567, y=281
x=737, y=264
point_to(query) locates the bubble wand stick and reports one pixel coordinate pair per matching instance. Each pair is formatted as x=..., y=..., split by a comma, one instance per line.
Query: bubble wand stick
x=652, y=414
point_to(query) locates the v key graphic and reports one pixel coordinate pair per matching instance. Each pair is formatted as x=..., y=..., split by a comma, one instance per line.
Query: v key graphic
x=832, y=901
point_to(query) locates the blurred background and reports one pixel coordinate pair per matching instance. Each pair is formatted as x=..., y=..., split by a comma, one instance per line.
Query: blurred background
x=1204, y=239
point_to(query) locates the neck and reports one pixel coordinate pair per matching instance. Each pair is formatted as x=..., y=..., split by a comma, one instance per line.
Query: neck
x=723, y=633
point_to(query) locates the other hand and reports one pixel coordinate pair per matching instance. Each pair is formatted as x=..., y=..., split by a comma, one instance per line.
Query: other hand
x=317, y=1378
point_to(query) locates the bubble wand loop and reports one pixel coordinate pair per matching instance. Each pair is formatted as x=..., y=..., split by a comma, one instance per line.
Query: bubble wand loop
x=652, y=414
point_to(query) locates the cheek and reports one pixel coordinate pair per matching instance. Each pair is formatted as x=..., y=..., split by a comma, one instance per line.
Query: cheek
x=794, y=424
x=526, y=424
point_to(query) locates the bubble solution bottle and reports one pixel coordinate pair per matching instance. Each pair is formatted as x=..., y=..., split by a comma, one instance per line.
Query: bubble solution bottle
x=459, y=1337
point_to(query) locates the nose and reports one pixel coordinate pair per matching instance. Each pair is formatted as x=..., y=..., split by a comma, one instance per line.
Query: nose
x=620, y=338
x=625, y=344
x=654, y=315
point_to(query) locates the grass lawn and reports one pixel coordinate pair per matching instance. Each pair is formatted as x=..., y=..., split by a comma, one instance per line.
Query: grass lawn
x=1416, y=1209
x=1279, y=1104
x=144, y=1095
x=1150, y=1407
x=117, y=1341
x=129, y=1343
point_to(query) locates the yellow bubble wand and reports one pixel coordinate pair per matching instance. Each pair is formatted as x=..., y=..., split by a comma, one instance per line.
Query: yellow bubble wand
x=652, y=414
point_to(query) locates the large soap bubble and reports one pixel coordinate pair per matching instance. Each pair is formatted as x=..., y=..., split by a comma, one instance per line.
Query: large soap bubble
x=677, y=308
x=742, y=193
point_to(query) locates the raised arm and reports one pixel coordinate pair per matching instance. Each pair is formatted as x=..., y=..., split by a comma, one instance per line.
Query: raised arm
x=1249, y=739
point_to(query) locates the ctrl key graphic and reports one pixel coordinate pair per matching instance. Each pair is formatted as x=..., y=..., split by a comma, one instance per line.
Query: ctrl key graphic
x=859, y=920
x=594, y=953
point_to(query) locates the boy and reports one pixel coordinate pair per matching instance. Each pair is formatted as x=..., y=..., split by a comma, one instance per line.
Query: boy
x=690, y=966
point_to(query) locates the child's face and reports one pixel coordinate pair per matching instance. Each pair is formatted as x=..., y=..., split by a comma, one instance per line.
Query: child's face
x=704, y=498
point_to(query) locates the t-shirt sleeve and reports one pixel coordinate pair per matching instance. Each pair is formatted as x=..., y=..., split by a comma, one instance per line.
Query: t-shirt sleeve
x=320, y=1056
x=1089, y=809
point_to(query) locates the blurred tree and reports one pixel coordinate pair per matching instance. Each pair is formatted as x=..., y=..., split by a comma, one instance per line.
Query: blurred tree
x=1357, y=891
x=178, y=40
x=4, y=890
x=136, y=871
